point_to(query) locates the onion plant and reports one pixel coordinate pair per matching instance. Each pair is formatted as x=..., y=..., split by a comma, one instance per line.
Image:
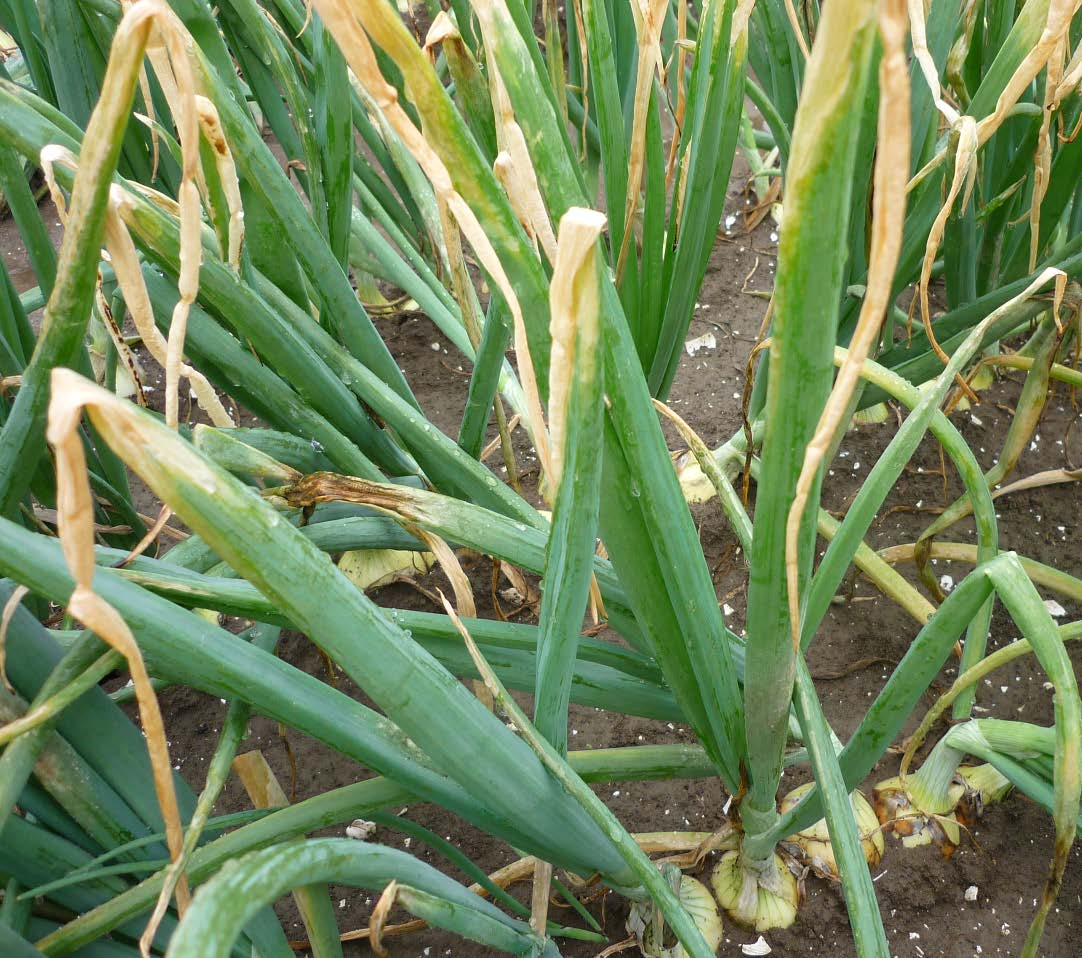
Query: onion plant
x=562, y=196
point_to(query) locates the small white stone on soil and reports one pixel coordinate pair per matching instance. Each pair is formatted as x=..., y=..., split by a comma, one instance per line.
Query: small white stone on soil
x=1054, y=608
x=971, y=893
x=361, y=829
x=705, y=341
x=757, y=947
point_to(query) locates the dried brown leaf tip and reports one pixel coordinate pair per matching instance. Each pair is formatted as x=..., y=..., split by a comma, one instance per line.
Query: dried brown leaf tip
x=574, y=302
x=75, y=524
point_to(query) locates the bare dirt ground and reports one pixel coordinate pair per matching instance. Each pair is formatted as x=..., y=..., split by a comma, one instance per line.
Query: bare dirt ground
x=921, y=895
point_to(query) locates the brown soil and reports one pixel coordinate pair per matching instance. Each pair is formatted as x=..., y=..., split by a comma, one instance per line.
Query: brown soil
x=920, y=894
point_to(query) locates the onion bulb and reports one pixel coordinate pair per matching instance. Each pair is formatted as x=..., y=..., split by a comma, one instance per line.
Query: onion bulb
x=812, y=844
x=938, y=821
x=746, y=898
x=916, y=826
x=652, y=933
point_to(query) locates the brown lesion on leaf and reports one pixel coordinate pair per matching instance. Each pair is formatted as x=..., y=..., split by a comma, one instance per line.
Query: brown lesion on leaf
x=329, y=486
